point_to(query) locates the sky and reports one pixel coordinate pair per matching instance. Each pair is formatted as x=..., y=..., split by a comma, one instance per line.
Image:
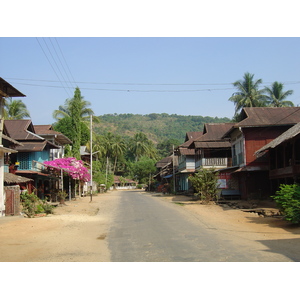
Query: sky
x=142, y=75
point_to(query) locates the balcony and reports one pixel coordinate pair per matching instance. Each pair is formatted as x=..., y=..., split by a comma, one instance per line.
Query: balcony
x=214, y=162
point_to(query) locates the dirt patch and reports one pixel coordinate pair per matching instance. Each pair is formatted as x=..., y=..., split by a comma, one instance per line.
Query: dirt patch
x=75, y=232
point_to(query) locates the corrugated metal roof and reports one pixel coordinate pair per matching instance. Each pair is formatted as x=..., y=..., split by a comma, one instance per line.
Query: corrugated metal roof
x=214, y=131
x=192, y=135
x=21, y=130
x=289, y=134
x=47, y=131
x=35, y=146
x=267, y=116
x=185, y=151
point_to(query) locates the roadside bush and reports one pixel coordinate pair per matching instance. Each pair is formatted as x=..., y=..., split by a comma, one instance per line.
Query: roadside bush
x=288, y=201
x=32, y=205
x=205, y=183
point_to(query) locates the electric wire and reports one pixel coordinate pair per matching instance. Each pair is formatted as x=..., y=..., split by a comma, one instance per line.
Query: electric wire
x=51, y=65
x=64, y=80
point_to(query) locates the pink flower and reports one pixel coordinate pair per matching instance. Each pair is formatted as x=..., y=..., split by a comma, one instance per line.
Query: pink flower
x=72, y=166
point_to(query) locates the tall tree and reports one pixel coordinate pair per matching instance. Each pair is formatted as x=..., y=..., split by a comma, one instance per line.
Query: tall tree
x=65, y=110
x=276, y=96
x=140, y=146
x=15, y=110
x=248, y=93
x=118, y=148
x=75, y=113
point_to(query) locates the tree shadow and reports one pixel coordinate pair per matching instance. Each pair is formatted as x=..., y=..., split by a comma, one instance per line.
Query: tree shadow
x=287, y=247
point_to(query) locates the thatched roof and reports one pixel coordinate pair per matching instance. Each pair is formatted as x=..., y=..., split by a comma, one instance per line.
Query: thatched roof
x=10, y=178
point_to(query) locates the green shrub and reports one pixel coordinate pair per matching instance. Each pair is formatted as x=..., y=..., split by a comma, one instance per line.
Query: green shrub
x=288, y=201
x=205, y=183
x=32, y=205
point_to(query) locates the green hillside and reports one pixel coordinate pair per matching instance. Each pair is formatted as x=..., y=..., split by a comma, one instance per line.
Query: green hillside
x=157, y=127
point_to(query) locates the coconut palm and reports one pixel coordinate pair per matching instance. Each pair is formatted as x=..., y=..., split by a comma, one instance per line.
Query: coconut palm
x=64, y=110
x=15, y=110
x=276, y=96
x=248, y=94
x=118, y=148
x=140, y=146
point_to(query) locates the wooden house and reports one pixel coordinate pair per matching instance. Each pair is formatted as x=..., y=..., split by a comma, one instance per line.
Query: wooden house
x=283, y=154
x=48, y=133
x=32, y=152
x=259, y=126
x=6, y=91
x=211, y=149
x=186, y=162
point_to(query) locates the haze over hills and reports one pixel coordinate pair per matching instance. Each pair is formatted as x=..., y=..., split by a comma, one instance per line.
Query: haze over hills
x=157, y=127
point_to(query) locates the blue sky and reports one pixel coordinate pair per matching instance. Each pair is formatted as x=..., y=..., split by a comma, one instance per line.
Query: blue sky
x=142, y=75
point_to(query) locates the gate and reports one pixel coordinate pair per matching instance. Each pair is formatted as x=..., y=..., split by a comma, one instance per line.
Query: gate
x=12, y=203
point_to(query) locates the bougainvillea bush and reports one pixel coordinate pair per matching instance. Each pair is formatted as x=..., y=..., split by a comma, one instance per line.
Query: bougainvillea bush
x=72, y=166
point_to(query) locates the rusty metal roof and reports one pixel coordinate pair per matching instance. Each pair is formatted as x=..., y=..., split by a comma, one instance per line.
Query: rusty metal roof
x=287, y=135
x=192, y=135
x=185, y=151
x=47, y=131
x=7, y=90
x=266, y=117
x=21, y=130
x=35, y=146
x=213, y=136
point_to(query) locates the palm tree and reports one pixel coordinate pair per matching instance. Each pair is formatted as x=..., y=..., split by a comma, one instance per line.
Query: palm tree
x=118, y=148
x=140, y=146
x=65, y=110
x=15, y=110
x=276, y=95
x=248, y=94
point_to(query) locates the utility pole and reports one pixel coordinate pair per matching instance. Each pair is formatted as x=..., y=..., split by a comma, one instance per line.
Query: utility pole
x=174, y=189
x=91, y=158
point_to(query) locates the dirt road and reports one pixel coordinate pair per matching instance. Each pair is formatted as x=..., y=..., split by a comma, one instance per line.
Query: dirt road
x=77, y=232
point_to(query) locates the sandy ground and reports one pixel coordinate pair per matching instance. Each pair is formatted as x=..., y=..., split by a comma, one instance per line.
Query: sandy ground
x=77, y=231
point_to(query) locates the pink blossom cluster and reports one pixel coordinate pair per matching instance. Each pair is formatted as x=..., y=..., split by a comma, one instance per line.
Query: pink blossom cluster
x=72, y=166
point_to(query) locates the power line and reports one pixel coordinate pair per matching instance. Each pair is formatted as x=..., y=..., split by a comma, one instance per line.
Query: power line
x=150, y=84
x=51, y=65
x=132, y=90
x=65, y=61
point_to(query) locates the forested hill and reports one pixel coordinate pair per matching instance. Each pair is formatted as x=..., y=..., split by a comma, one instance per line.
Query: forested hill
x=157, y=127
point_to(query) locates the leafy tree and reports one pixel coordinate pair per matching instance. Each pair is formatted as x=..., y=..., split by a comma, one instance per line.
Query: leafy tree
x=276, y=96
x=141, y=170
x=248, y=93
x=65, y=126
x=15, y=110
x=205, y=183
x=71, y=123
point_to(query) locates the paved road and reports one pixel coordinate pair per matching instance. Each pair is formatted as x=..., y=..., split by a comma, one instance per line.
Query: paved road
x=147, y=229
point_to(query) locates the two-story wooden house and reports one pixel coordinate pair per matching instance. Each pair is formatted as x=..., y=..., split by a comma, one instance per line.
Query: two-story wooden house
x=31, y=153
x=186, y=162
x=259, y=126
